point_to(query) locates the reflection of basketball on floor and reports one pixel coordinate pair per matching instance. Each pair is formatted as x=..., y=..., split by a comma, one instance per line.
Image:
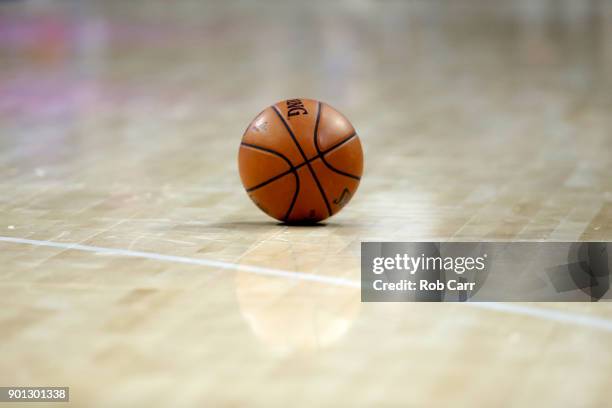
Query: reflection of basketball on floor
x=292, y=316
x=300, y=160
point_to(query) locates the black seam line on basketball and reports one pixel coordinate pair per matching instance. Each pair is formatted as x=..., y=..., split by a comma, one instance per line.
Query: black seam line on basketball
x=316, y=143
x=268, y=181
x=291, y=170
x=294, y=199
x=283, y=174
x=265, y=149
x=314, y=176
x=340, y=143
x=299, y=166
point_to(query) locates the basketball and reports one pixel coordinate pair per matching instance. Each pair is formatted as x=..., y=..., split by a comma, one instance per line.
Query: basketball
x=300, y=161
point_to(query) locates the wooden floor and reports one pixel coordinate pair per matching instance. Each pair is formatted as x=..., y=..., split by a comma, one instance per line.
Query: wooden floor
x=135, y=269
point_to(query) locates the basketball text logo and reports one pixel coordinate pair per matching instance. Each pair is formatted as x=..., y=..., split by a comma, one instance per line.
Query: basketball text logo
x=344, y=198
x=295, y=107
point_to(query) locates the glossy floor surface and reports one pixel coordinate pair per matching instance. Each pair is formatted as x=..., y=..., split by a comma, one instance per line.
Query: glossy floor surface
x=135, y=269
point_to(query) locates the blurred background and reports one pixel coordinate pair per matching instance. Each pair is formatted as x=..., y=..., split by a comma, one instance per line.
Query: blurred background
x=452, y=82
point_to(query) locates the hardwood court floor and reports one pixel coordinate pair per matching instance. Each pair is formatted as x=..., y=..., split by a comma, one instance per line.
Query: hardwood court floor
x=129, y=251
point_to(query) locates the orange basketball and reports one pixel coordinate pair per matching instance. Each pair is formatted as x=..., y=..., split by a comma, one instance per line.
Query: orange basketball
x=300, y=160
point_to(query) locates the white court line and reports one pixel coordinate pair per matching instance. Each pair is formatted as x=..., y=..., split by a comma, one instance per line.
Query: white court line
x=514, y=308
x=548, y=314
x=191, y=261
